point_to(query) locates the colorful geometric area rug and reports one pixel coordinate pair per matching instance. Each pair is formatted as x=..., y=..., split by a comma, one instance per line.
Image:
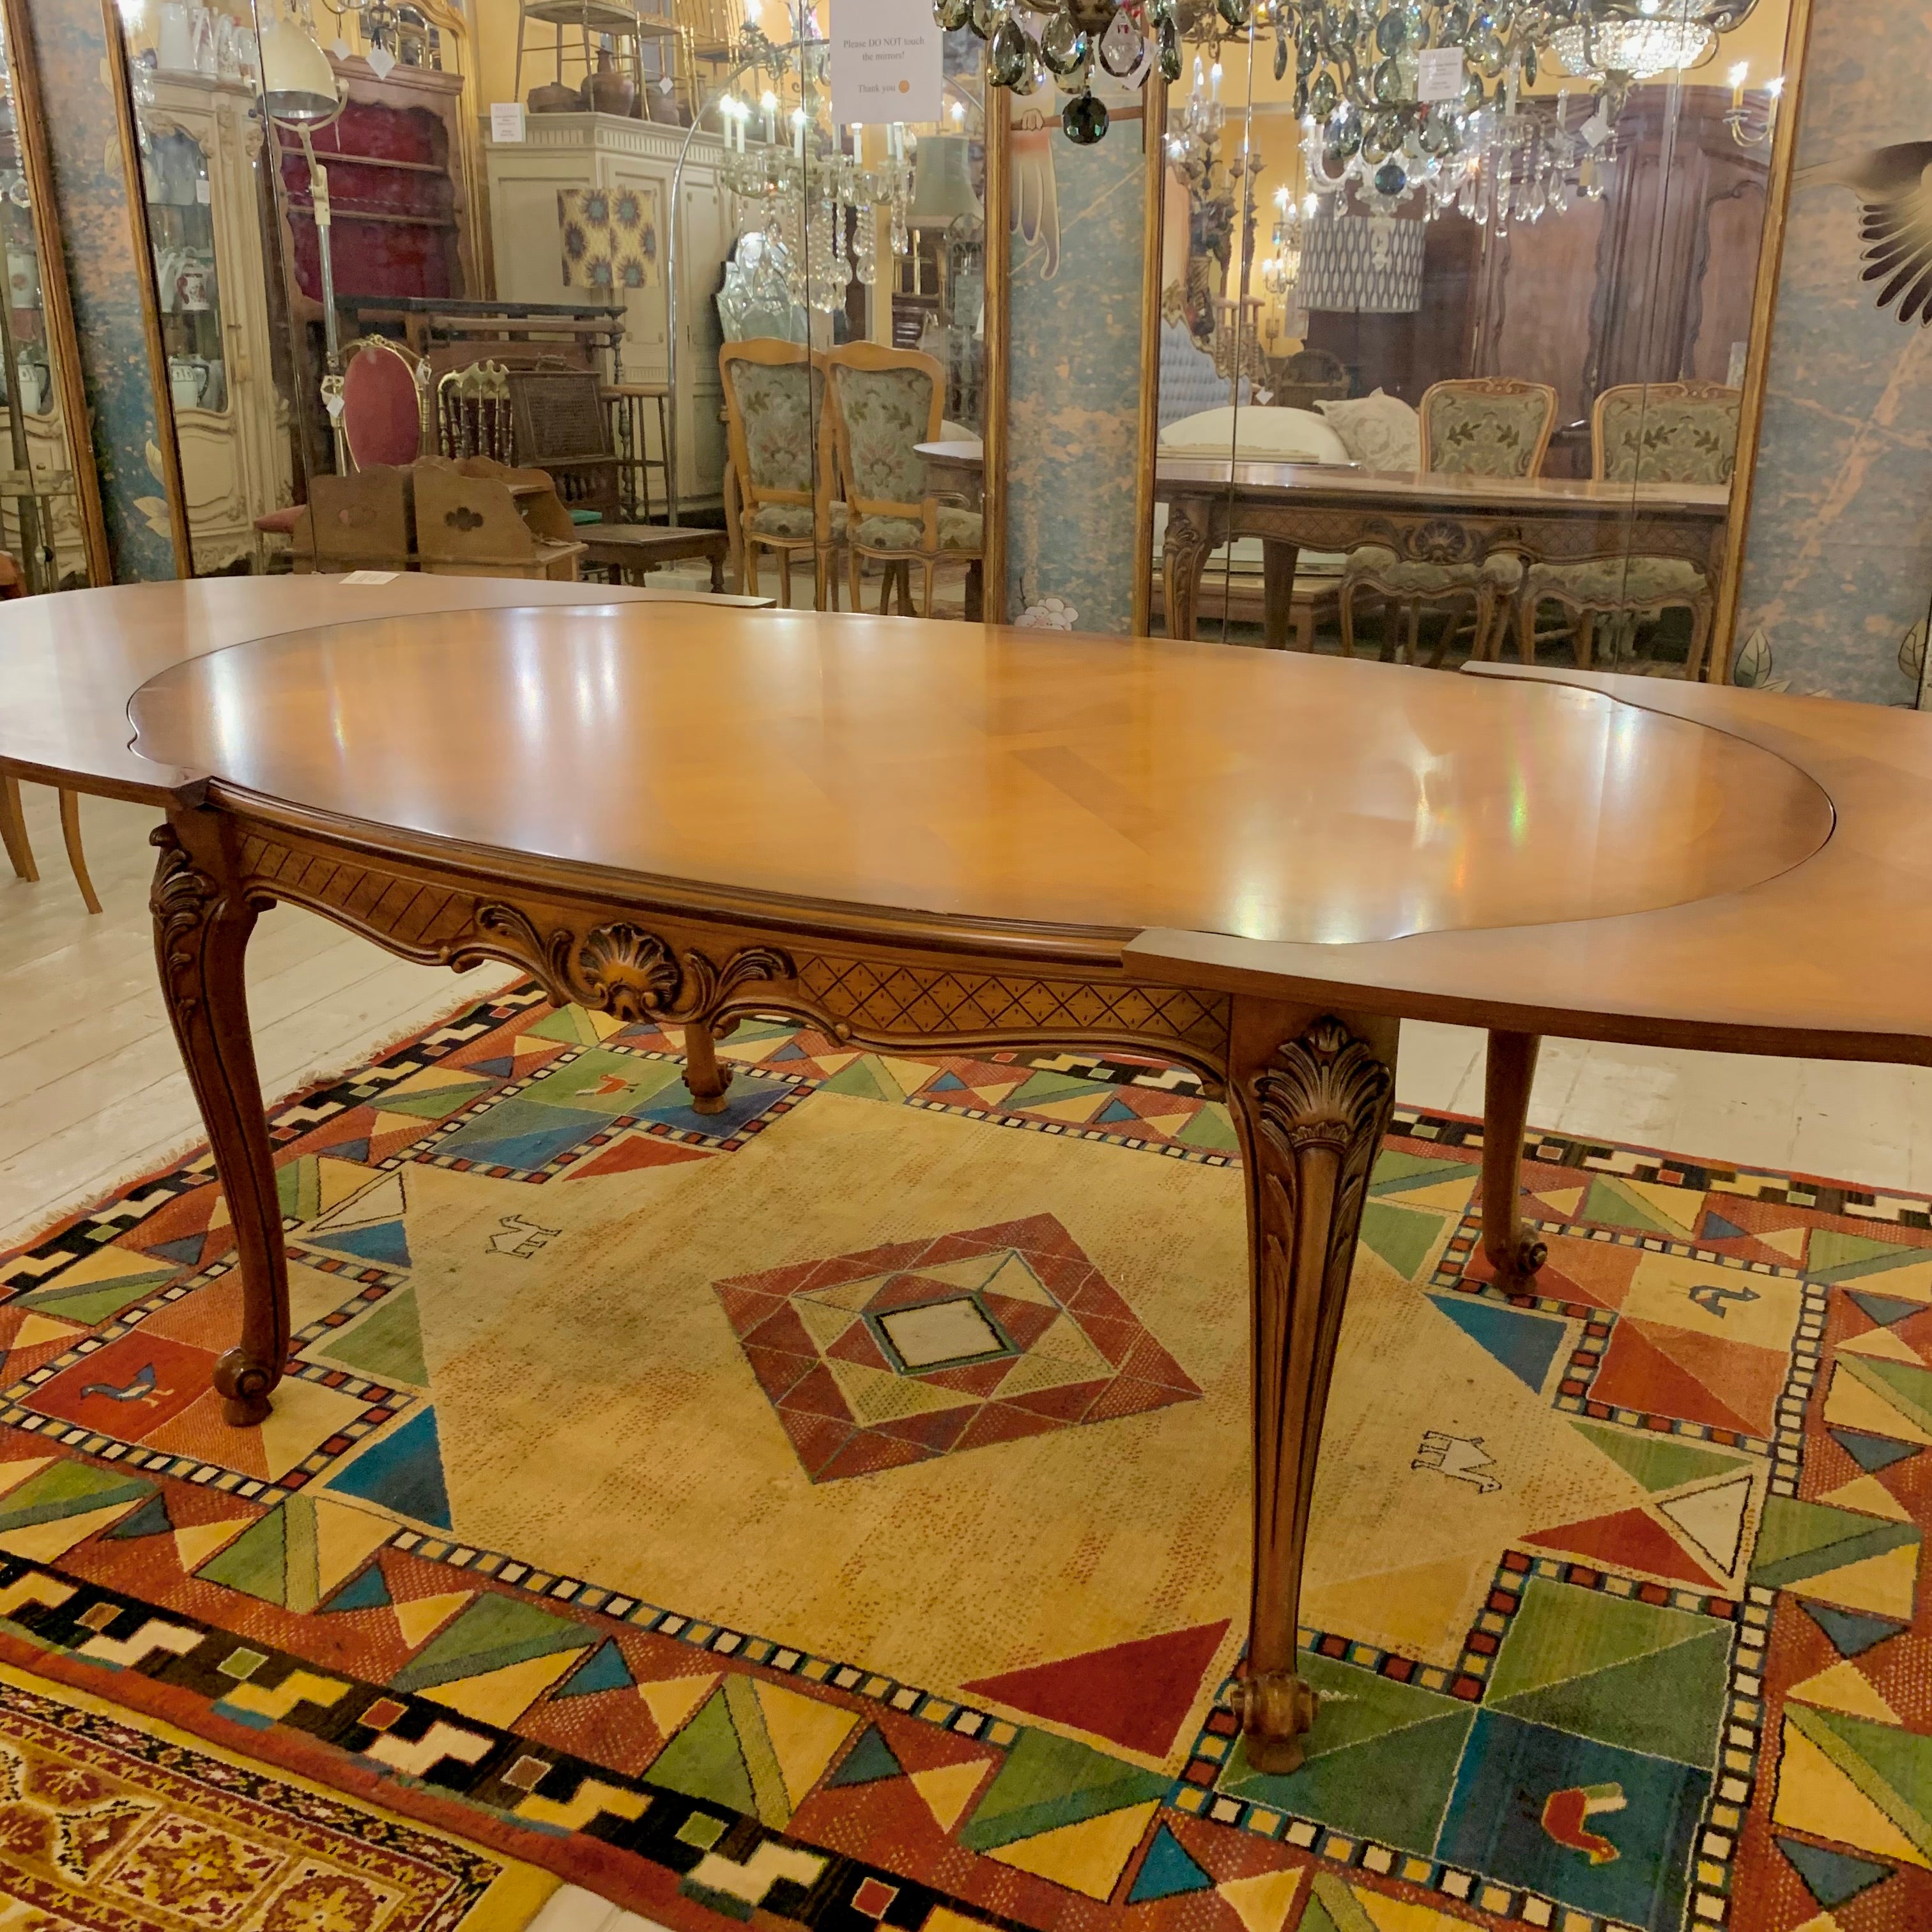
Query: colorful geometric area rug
x=833, y=1512
x=110, y=1825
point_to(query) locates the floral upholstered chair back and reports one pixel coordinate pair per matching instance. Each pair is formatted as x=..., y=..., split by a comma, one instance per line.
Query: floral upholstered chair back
x=1666, y=433
x=884, y=401
x=1490, y=426
x=773, y=392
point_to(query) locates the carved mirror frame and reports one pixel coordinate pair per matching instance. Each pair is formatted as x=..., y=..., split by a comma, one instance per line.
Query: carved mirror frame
x=57, y=308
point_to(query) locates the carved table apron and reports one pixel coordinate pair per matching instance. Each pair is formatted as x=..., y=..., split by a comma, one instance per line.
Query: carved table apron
x=1291, y=508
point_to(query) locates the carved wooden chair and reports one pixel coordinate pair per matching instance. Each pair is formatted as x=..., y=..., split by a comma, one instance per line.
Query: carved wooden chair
x=882, y=402
x=468, y=526
x=383, y=394
x=19, y=847
x=1640, y=432
x=473, y=411
x=774, y=394
x=1488, y=426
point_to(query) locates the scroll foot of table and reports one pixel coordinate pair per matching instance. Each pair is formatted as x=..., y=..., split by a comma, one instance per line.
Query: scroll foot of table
x=1311, y=1093
x=707, y=1082
x=201, y=939
x=1515, y=1252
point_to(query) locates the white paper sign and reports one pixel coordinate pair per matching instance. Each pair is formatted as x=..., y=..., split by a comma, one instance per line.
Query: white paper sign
x=1439, y=75
x=887, y=63
x=506, y=121
x=370, y=577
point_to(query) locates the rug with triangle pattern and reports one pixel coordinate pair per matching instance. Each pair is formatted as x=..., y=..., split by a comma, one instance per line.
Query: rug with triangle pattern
x=832, y=1512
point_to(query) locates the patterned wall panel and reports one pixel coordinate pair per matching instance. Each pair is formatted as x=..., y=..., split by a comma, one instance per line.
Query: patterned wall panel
x=106, y=273
x=1073, y=372
x=1838, y=569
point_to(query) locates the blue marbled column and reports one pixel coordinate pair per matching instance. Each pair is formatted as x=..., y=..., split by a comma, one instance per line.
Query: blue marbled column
x=1838, y=568
x=1073, y=370
x=106, y=273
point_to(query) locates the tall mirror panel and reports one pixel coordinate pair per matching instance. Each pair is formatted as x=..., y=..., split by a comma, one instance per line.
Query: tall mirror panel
x=1463, y=302
x=49, y=510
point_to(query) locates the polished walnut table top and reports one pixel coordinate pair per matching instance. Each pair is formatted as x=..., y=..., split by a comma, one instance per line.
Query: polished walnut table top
x=1175, y=475
x=1009, y=776
x=1601, y=857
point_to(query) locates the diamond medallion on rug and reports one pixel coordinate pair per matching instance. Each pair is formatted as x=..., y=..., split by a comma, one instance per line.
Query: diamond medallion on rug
x=920, y=1349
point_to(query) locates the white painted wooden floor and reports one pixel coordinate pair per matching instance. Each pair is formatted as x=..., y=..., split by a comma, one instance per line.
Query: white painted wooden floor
x=92, y=1090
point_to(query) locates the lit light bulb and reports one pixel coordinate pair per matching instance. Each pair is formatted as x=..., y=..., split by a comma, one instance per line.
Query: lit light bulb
x=768, y=100
x=958, y=113
x=751, y=13
x=1775, y=87
x=1741, y=74
x=1281, y=199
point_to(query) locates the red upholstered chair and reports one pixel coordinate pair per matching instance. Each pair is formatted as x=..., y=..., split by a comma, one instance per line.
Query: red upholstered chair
x=381, y=403
x=381, y=417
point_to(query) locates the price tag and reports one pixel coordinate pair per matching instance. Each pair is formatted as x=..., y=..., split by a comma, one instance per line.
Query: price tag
x=1439, y=75
x=202, y=193
x=370, y=577
x=506, y=121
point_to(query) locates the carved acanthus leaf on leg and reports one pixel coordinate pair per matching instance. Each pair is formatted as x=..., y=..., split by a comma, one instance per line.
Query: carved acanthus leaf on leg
x=1316, y=1114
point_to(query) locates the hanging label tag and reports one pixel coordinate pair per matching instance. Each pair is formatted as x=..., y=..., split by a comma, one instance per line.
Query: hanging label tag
x=1438, y=75
x=1596, y=131
x=506, y=121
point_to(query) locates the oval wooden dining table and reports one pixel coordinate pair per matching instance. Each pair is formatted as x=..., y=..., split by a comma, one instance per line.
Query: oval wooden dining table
x=919, y=834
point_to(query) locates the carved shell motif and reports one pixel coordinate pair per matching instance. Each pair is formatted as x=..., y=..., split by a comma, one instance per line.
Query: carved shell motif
x=628, y=973
x=1441, y=540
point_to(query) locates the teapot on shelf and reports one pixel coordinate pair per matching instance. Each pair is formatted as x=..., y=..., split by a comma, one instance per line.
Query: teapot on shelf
x=188, y=382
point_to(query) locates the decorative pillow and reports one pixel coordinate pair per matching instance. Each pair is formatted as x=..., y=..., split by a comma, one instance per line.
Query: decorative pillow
x=1256, y=434
x=1379, y=432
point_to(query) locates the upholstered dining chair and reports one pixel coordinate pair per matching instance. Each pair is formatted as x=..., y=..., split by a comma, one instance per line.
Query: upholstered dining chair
x=384, y=397
x=385, y=402
x=19, y=847
x=781, y=460
x=1482, y=426
x=882, y=402
x=1640, y=433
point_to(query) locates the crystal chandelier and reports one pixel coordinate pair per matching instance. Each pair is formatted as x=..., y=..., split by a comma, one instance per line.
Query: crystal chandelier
x=1403, y=98
x=1063, y=41
x=794, y=183
x=1281, y=273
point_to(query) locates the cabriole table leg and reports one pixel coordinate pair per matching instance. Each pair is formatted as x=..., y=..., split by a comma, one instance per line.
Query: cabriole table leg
x=202, y=925
x=1184, y=557
x=1512, y=1250
x=1311, y=1095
